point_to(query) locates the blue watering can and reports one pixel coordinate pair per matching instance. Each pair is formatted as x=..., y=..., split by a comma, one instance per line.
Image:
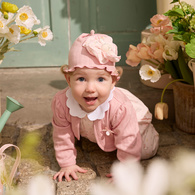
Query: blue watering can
x=11, y=106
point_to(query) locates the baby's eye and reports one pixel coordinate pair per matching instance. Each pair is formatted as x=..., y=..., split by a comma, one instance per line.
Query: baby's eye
x=100, y=79
x=81, y=79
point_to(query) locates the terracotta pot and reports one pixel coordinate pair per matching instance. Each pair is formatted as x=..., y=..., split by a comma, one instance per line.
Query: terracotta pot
x=184, y=100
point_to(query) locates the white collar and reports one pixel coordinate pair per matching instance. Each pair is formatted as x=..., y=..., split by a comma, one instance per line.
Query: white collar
x=76, y=110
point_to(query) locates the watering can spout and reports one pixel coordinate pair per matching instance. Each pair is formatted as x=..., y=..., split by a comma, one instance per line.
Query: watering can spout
x=11, y=106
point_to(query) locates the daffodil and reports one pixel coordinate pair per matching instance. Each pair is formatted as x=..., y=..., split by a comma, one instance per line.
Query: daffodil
x=16, y=27
x=25, y=17
x=9, y=7
x=24, y=30
x=44, y=34
x=14, y=34
x=3, y=24
x=147, y=72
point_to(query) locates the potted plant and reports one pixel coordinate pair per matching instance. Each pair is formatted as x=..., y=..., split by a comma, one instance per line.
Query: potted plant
x=171, y=49
x=16, y=26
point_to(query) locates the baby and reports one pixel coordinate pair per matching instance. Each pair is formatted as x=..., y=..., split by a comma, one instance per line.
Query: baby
x=92, y=107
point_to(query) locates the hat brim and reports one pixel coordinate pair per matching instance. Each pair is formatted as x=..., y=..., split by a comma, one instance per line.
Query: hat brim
x=111, y=69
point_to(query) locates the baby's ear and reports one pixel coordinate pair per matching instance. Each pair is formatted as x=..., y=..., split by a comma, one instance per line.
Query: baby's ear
x=119, y=70
x=66, y=75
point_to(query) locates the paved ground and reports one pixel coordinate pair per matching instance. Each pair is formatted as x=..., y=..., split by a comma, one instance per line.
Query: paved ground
x=34, y=88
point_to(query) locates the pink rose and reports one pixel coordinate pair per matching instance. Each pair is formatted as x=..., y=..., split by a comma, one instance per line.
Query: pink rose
x=156, y=51
x=143, y=51
x=132, y=57
x=159, y=20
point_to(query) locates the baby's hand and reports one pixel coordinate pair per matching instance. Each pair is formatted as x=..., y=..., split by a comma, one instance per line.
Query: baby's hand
x=69, y=171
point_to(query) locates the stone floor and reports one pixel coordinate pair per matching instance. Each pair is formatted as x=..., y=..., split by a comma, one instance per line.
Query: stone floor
x=34, y=88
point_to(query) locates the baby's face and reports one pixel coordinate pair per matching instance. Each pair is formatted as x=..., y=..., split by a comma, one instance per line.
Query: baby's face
x=90, y=87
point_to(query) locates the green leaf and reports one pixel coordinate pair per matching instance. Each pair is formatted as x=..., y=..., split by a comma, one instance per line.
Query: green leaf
x=170, y=68
x=192, y=36
x=176, y=12
x=183, y=37
x=176, y=66
x=174, y=30
x=185, y=71
x=178, y=37
x=174, y=1
x=190, y=48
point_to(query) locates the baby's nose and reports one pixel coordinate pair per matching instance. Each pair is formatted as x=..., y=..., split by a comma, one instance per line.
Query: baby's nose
x=90, y=88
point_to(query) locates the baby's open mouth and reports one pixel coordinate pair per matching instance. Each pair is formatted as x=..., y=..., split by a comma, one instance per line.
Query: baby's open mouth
x=90, y=100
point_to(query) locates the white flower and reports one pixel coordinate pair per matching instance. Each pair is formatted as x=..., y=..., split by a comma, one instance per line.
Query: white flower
x=170, y=53
x=183, y=173
x=14, y=34
x=44, y=35
x=156, y=38
x=124, y=173
x=158, y=175
x=3, y=25
x=26, y=17
x=147, y=72
x=129, y=179
x=41, y=185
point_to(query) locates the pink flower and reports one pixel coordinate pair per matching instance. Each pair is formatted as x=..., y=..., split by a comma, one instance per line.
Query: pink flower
x=159, y=20
x=132, y=57
x=165, y=29
x=156, y=51
x=160, y=30
x=102, y=47
x=143, y=51
x=136, y=54
x=155, y=30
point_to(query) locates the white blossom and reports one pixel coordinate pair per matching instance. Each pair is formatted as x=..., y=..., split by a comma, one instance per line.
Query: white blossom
x=26, y=17
x=41, y=185
x=44, y=34
x=147, y=72
x=14, y=34
x=170, y=53
x=129, y=179
x=3, y=25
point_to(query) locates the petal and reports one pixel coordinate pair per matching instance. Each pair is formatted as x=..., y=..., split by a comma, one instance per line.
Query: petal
x=161, y=111
x=127, y=176
x=40, y=185
x=157, y=179
x=103, y=188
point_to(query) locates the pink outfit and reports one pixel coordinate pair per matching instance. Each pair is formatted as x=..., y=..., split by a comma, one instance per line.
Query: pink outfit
x=125, y=126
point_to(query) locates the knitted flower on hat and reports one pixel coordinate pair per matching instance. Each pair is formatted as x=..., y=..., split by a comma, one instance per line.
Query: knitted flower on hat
x=102, y=47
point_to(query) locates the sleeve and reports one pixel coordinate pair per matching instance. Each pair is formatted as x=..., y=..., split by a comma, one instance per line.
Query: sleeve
x=127, y=135
x=63, y=136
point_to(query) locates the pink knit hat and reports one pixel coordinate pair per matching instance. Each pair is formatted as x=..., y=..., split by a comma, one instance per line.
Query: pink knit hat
x=93, y=51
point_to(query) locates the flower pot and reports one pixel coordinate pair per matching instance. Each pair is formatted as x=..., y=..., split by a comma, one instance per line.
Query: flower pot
x=164, y=5
x=184, y=101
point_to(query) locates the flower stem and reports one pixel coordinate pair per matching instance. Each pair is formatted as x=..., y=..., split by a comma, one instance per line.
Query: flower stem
x=152, y=62
x=163, y=92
